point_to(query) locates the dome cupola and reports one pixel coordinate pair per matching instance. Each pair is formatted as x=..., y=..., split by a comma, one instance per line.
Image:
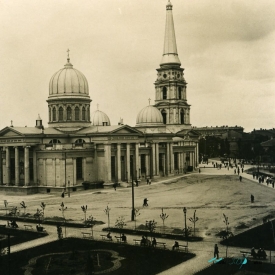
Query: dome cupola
x=99, y=118
x=68, y=82
x=69, y=100
x=149, y=116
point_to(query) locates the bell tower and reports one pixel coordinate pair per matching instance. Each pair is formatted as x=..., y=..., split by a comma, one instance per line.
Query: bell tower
x=170, y=86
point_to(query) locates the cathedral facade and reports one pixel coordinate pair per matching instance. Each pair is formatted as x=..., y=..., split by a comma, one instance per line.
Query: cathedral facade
x=79, y=146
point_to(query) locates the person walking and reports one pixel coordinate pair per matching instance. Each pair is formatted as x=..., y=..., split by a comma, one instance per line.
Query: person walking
x=252, y=198
x=216, y=251
x=240, y=178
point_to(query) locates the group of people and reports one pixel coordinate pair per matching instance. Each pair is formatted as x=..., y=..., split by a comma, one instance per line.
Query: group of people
x=123, y=237
x=260, y=254
x=12, y=224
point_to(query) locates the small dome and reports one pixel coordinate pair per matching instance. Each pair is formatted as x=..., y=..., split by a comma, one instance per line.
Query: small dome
x=68, y=81
x=149, y=115
x=99, y=118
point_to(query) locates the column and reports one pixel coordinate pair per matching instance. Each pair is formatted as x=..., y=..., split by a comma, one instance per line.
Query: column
x=147, y=165
x=172, y=157
x=179, y=162
x=27, y=165
x=16, y=151
x=167, y=163
x=84, y=168
x=34, y=166
x=128, y=162
x=168, y=116
x=197, y=151
x=74, y=172
x=118, y=157
x=153, y=156
x=54, y=172
x=107, y=152
x=157, y=159
x=137, y=160
x=44, y=172
x=8, y=171
x=164, y=164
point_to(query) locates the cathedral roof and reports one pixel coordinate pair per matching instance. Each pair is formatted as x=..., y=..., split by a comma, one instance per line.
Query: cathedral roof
x=68, y=82
x=149, y=116
x=170, y=53
x=99, y=117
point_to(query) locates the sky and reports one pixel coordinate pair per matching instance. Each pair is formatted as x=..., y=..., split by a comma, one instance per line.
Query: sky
x=226, y=48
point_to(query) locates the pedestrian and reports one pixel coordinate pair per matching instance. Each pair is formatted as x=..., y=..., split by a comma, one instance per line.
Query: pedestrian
x=136, y=183
x=252, y=198
x=240, y=178
x=234, y=171
x=242, y=170
x=114, y=185
x=216, y=251
x=145, y=202
x=63, y=194
x=199, y=170
x=149, y=181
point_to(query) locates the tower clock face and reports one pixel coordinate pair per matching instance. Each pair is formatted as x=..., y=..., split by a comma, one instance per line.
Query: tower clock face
x=164, y=75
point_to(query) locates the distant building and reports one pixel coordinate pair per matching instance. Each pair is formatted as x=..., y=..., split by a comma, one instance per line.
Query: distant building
x=80, y=146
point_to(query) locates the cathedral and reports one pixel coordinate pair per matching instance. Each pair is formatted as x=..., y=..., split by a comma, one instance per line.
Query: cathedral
x=81, y=145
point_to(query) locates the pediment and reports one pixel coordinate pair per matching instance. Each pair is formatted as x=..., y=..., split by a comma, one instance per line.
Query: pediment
x=10, y=132
x=125, y=129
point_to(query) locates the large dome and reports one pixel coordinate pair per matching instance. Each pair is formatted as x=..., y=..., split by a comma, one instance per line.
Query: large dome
x=68, y=81
x=99, y=118
x=149, y=115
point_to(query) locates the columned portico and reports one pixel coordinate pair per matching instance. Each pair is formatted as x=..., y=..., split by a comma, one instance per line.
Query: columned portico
x=157, y=159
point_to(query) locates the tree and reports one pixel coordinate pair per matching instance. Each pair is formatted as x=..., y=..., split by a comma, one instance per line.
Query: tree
x=84, y=209
x=163, y=216
x=120, y=224
x=228, y=233
x=63, y=209
x=136, y=213
x=107, y=212
x=43, y=206
x=151, y=226
x=6, y=206
x=194, y=219
x=23, y=205
x=91, y=222
x=38, y=215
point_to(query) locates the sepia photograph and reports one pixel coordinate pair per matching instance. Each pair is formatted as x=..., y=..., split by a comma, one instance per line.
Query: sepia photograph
x=137, y=137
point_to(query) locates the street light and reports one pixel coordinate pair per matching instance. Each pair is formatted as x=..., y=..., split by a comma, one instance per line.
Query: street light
x=185, y=227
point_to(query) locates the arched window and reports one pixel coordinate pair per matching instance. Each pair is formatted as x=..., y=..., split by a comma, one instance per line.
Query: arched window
x=181, y=116
x=179, y=91
x=88, y=114
x=69, y=113
x=76, y=110
x=50, y=114
x=164, y=116
x=83, y=113
x=54, y=141
x=54, y=114
x=60, y=113
x=164, y=93
x=80, y=140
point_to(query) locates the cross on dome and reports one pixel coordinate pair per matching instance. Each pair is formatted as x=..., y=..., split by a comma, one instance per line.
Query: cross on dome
x=149, y=99
x=68, y=57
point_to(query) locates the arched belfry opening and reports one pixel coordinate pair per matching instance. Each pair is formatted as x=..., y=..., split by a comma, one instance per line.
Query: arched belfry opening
x=164, y=93
x=164, y=116
x=181, y=116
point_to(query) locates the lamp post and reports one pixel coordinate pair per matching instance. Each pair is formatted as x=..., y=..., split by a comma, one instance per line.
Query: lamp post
x=185, y=227
x=133, y=194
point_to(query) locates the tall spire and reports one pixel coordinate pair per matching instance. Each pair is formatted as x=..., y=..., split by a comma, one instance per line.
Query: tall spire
x=170, y=53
